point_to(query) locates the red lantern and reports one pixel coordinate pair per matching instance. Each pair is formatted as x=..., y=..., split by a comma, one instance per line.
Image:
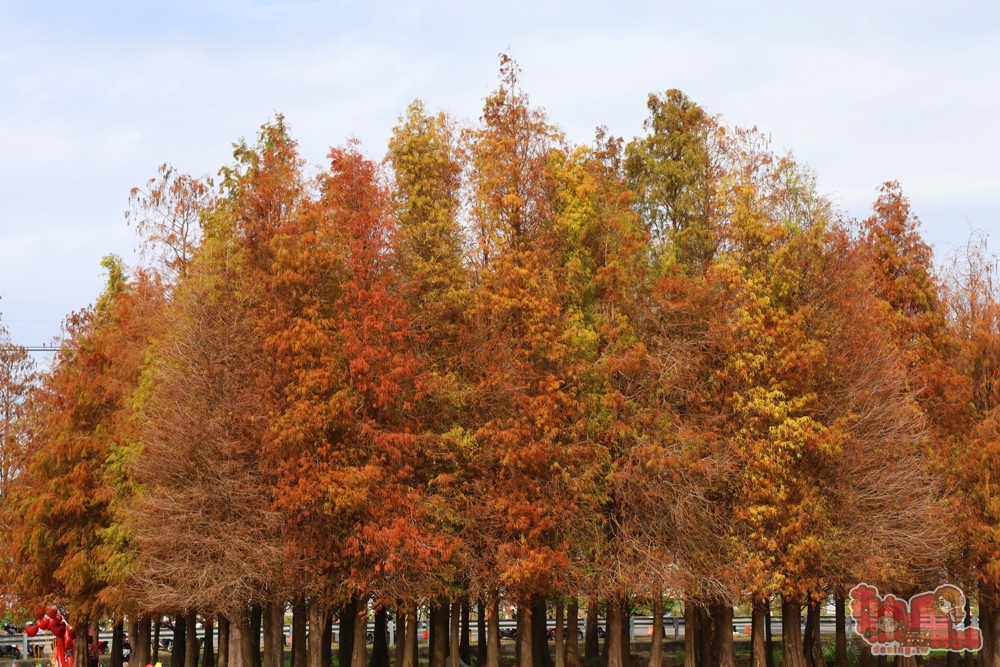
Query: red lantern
x=51, y=612
x=44, y=623
x=59, y=630
x=39, y=612
x=30, y=630
x=71, y=633
x=59, y=618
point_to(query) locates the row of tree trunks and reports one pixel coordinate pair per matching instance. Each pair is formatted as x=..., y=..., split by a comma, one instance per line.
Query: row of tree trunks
x=708, y=638
x=708, y=635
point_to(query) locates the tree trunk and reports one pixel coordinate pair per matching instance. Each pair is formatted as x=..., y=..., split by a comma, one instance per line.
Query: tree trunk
x=560, y=635
x=223, y=660
x=656, y=644
x=573, y=633
x=525, y=643
x=493, y=636
x=690, y=634
x=299, y=651
x=141, y=642
x=155, y=646
x=465, y=647
x=840, y=647
x=359, y=654
x=970, y=657
x=791, y=634
x=455, y=639
x=989, y=625
x=380, y=647
x=410, y=652
x=242, y=652
x=864, y=654
x=540, y=655
x=256, y=614
x=133, y=637
x=613, y=631
x=178, y=648
x=706, y=636
x=345, y=648
x=326, y=651
x=415, y=657
x=117, y=639
x=400, y=638
x=605, y=645
x=191, y=634
x=591, y=645
x=812, y=643
x=758, y=643
x=314, y=641
x=439, y=633
x=626, y=647
x=208, y=645
x=481, y=633
x=724, y=651
x=768, y=638
x=274, y=634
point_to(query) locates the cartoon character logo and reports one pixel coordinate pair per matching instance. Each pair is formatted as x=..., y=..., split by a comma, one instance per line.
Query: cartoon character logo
x=949, y=602
x=891, y=621
x=928, y=620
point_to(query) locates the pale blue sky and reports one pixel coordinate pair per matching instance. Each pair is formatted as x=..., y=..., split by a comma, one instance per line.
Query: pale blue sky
x=95, y=95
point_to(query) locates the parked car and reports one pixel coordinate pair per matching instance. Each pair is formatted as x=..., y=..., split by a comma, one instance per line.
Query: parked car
x=508, y=633
x=551, y=634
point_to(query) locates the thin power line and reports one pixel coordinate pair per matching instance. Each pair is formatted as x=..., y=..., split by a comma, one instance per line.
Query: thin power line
x=34, y=348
